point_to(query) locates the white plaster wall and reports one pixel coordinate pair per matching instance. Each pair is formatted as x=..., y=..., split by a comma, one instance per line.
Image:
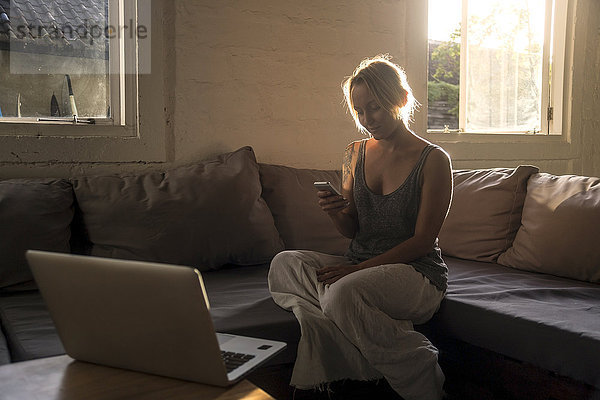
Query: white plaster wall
x=267, y=73
x=586, y=95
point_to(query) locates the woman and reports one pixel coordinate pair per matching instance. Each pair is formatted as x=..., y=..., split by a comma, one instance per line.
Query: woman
x=357, y=312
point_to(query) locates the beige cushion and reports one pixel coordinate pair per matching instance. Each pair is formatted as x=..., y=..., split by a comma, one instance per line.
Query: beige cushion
x=560, y=228
x=204, y=215
x=34, y=214
x=485, y=213
x=292, y=198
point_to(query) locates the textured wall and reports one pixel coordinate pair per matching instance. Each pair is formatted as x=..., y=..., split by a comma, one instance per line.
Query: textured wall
x=268, y=74
x=589, y=76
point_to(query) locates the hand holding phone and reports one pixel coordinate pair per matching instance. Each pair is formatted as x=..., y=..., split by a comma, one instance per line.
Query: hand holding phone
x=332, y=203
x=327, y=187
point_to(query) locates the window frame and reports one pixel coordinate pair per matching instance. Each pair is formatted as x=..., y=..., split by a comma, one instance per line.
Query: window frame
x=123, y=140
x=557, y=20
x=121, y=49
x=561, y=152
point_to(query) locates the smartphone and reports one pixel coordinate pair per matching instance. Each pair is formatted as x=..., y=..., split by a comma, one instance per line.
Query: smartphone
x=327, y=186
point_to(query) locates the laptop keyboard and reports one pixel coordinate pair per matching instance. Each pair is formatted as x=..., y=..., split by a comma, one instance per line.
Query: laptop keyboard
x=234, y=360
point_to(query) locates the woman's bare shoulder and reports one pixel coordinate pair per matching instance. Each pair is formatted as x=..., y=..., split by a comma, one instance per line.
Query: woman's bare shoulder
x=353, y=146
x=438, y=164
x=437, y=153
x=351, y=152
x=350, y=157
x=440, y=154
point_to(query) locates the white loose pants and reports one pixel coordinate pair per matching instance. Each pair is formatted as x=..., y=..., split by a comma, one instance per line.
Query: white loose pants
x=360, y=327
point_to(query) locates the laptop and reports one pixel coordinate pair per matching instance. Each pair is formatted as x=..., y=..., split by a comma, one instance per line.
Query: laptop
x=142, y=316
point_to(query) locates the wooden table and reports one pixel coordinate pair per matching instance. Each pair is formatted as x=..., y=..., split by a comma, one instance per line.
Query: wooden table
x=62, y=378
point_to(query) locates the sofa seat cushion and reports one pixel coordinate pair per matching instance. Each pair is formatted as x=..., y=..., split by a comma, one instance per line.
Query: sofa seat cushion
x=205, y=214
x=29, y=329
x=240, y=303
x=4, y=353
x=547, y=321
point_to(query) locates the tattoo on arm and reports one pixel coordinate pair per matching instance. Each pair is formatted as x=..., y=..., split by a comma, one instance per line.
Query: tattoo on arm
x=347, y=166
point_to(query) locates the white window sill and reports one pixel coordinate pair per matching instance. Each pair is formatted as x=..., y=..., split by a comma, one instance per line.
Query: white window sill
x=505, y=148
x=496, y=137
x=64, y=129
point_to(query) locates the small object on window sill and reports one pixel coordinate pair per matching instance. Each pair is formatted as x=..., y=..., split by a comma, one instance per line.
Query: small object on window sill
x=54, y=108
x=75, y=120
x=71, y=97
x=448, y=130
x=18, y=112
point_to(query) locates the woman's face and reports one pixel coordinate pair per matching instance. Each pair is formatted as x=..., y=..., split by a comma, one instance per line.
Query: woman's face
x=375, y=119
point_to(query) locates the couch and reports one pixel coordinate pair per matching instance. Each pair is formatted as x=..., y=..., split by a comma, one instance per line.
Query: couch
x=522, y=312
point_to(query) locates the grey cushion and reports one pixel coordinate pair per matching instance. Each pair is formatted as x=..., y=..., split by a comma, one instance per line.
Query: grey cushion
x=4, y=354
x=204, y=215
x=35, y=214
x=292, y=198
x=29, y=330
x=485, y=213
x=559, y=229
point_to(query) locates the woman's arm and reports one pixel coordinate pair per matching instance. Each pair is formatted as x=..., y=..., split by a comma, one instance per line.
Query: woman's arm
x=341, y=209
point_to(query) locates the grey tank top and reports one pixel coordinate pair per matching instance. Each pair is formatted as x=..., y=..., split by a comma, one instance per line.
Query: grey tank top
x=385, y=221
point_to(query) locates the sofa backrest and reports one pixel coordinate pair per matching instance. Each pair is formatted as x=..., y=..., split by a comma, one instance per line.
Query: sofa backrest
x=34, y=214
x=232, y=210
x=560, y=228
x=292, y=198
x=485, y=213
x=206, y=214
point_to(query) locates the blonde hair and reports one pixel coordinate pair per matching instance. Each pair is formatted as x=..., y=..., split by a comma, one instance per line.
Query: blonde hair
x=387, y=83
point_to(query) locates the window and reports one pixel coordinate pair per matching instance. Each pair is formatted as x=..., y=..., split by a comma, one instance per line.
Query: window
x=132, y=98
x=496, y=66
x=70, y=61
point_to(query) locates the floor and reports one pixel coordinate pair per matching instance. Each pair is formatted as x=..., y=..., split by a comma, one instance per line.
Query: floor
x=471, y=374
x=275, y=381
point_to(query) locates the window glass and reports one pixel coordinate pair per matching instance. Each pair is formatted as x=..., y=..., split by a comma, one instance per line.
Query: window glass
x=486, y=65
x=504, y=65
x=443, y=83
x=54, y=58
